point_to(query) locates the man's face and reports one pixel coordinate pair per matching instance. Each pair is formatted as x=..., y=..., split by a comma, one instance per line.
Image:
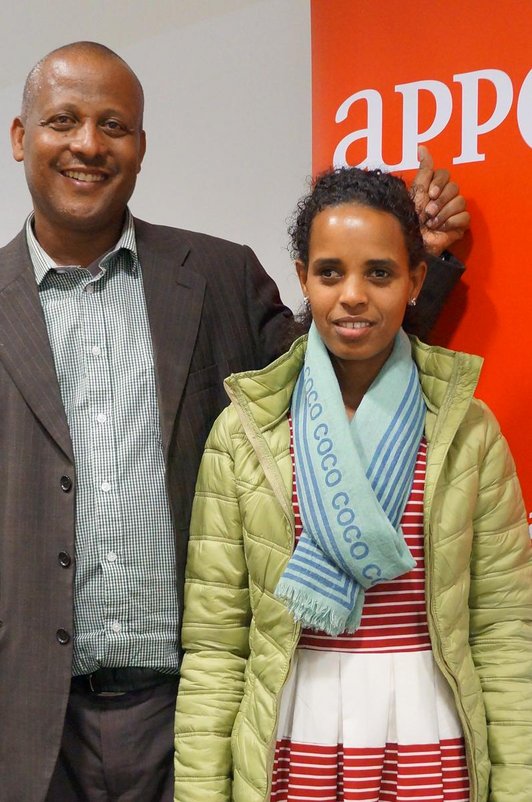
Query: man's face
x=82, y=143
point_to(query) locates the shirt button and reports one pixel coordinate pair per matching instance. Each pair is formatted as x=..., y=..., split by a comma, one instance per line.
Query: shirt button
x=116, y=626
x=96, y=350
x=111, y=556
x=101, y=417
x=62, y=636
x=64, y=559
x=105, y=486
x=66, y=484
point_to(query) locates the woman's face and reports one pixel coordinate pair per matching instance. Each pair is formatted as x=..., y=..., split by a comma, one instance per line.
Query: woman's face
x=358, y=282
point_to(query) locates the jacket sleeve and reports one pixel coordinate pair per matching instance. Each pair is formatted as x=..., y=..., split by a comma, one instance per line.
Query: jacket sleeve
x=215, y=631
x=270, y=319
x=442, y=275
x=501, y=620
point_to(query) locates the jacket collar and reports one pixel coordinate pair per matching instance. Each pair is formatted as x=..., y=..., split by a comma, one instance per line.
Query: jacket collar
x=24, y=345
x=448, y=381
x=266, y=394
x=174, y=301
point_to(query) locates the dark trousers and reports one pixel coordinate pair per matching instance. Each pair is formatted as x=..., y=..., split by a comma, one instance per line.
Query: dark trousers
x=118, y=748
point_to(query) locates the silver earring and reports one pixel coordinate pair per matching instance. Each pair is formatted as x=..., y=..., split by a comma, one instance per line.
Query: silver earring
x=412, y=302
x=307, y=303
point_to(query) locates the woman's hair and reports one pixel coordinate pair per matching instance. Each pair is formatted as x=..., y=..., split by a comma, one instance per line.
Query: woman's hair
x=371, y=188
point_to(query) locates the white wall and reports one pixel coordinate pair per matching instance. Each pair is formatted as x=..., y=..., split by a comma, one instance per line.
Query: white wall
x=228, y=117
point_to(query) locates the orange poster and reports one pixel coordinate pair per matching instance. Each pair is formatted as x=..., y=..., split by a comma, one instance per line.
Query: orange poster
x=456, y=77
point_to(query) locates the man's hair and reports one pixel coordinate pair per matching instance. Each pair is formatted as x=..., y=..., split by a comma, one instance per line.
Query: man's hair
x=34, y=80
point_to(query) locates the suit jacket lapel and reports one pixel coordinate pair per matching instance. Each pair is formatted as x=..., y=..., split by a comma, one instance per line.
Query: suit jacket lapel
x=174, y=300
x=24, y=344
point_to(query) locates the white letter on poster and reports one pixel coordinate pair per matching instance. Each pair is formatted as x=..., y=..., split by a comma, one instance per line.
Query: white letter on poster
x=372, y=133
x=524, y=110
x=471, y=128
x=411, y=135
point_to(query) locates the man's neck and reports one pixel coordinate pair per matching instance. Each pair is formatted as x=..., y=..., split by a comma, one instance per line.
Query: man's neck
x=68, y=247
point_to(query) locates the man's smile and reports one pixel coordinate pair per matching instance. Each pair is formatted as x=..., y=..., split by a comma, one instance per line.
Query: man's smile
x=90, y=178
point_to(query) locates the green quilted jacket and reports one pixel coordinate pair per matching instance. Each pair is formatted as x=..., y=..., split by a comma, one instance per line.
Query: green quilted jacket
x=240, y=639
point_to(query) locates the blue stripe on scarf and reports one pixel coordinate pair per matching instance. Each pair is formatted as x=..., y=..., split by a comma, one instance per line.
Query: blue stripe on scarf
x=305, y=580
x=404, y=468
x=387, y=446
x=400, y=484
x=395, y=481
x=382, y=452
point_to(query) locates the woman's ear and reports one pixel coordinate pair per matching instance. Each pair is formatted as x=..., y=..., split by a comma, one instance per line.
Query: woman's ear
x=302, y=270
x=417, y=277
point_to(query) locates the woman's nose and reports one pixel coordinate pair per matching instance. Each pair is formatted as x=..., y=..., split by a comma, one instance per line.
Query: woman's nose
x=353, y=292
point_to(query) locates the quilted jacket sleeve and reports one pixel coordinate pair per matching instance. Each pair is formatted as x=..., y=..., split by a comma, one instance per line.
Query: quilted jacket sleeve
x=215, y=630
x=501, y=619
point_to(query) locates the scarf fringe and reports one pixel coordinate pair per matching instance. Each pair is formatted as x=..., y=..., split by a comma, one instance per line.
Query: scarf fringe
x=310, y=612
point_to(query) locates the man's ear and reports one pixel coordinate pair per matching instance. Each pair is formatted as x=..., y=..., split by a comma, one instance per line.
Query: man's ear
x=17, y=139
x=142, y=149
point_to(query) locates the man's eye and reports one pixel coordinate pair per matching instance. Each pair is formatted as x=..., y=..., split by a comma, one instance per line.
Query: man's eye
x=62, y=122
x=329, y=272
x=114, y=127
x=380, y=273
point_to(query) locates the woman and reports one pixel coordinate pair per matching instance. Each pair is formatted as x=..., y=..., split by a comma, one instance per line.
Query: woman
x=389, y=655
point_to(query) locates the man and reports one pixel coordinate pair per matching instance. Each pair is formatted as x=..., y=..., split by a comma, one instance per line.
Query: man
x=115, y=337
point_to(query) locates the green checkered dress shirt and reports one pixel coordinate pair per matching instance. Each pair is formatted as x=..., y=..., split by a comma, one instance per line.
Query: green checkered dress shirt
x=125, y=598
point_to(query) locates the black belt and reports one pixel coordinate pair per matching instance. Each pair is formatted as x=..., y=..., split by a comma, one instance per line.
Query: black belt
x=117, y=681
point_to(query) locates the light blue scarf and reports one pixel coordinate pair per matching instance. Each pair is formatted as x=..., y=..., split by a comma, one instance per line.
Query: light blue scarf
x=353, y=480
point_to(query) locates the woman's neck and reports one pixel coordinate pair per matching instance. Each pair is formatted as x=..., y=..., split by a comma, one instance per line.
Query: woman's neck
x=355, y=378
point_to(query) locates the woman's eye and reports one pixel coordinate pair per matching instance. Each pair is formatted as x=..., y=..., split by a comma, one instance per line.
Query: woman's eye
x=380, y=273
x=329, y=272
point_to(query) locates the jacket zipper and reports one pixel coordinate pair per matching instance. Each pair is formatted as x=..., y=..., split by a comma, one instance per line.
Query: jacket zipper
x=447, y=673
x=271, y=757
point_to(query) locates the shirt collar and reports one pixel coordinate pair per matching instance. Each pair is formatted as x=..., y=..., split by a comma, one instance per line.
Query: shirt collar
x=43, y=263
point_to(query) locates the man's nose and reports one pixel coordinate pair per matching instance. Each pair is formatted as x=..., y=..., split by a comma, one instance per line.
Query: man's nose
x=88, y=140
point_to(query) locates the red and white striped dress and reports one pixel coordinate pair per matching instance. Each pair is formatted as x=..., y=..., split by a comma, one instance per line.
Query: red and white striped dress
x=369, y=717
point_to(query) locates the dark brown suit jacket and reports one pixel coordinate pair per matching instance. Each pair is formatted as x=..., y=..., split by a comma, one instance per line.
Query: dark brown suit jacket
x=212, y=310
